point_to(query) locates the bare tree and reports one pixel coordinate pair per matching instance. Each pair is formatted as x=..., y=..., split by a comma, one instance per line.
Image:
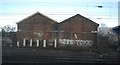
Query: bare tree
x=8, y=35
x=8, y=28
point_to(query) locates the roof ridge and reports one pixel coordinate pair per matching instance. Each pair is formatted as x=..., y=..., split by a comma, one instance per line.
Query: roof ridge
x=47, y=17
x=78, y=15
x=36, y=14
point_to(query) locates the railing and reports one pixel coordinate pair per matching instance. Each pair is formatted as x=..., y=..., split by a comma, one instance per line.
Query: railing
x=36, y=43
x=54, y=43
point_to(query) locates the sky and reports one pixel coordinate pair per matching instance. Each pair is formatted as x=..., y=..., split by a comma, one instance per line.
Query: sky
x=12, y=11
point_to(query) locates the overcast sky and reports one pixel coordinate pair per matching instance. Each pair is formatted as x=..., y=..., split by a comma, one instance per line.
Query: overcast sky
x=12, y=11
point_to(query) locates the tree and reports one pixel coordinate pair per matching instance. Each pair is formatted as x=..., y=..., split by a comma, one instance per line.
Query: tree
x=8, y=35
x=8, y=28
x=117, y=31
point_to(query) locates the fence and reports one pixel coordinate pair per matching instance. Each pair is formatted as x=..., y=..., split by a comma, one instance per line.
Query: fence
x=54, y=43
x=36, y=43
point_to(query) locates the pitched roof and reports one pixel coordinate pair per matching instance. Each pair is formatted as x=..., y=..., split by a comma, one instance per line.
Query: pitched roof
x=37, y=13
x=81, y=17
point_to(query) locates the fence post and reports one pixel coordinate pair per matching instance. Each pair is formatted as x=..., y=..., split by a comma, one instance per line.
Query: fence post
x=18, y=44
x=44, y=43
x=24, y=42
x=55, y=43
x=30, y=42
x=37, y=43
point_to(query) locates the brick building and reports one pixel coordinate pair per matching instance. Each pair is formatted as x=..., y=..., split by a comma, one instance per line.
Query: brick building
x=41, y=27
x=79, y=28
x=36, y=26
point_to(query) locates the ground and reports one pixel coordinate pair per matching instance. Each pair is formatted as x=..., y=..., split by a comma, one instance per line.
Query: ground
x=46, y=55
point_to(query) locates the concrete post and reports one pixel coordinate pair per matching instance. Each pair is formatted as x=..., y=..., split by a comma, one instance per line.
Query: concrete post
x=55, y=43
x=30, y=42
x=18, y=44
x=24, y=42
x=37, y=43
x=44, y=43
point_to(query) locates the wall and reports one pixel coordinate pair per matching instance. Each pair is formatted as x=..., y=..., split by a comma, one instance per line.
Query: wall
x=36, y=27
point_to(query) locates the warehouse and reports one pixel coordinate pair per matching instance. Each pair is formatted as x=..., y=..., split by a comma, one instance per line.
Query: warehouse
x=79, y=28
x=40, y=27
x=36, y=26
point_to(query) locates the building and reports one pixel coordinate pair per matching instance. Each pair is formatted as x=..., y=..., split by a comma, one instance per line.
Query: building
x=79, y=28
x=41, y=27
x=36, y=26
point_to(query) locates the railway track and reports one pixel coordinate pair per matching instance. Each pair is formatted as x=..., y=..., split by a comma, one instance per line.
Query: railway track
x=36, y=55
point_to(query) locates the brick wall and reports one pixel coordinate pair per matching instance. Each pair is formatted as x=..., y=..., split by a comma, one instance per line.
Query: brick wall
x=36, y=27
x=39, y=26
x=78, y=27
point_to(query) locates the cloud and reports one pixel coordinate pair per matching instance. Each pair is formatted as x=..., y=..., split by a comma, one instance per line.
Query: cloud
x=59, y=1
x=15, y=10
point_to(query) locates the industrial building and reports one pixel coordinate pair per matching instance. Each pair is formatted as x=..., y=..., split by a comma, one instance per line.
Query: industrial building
x=40, y=27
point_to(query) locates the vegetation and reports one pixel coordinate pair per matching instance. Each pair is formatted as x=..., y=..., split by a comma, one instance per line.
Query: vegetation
x=8, y=35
